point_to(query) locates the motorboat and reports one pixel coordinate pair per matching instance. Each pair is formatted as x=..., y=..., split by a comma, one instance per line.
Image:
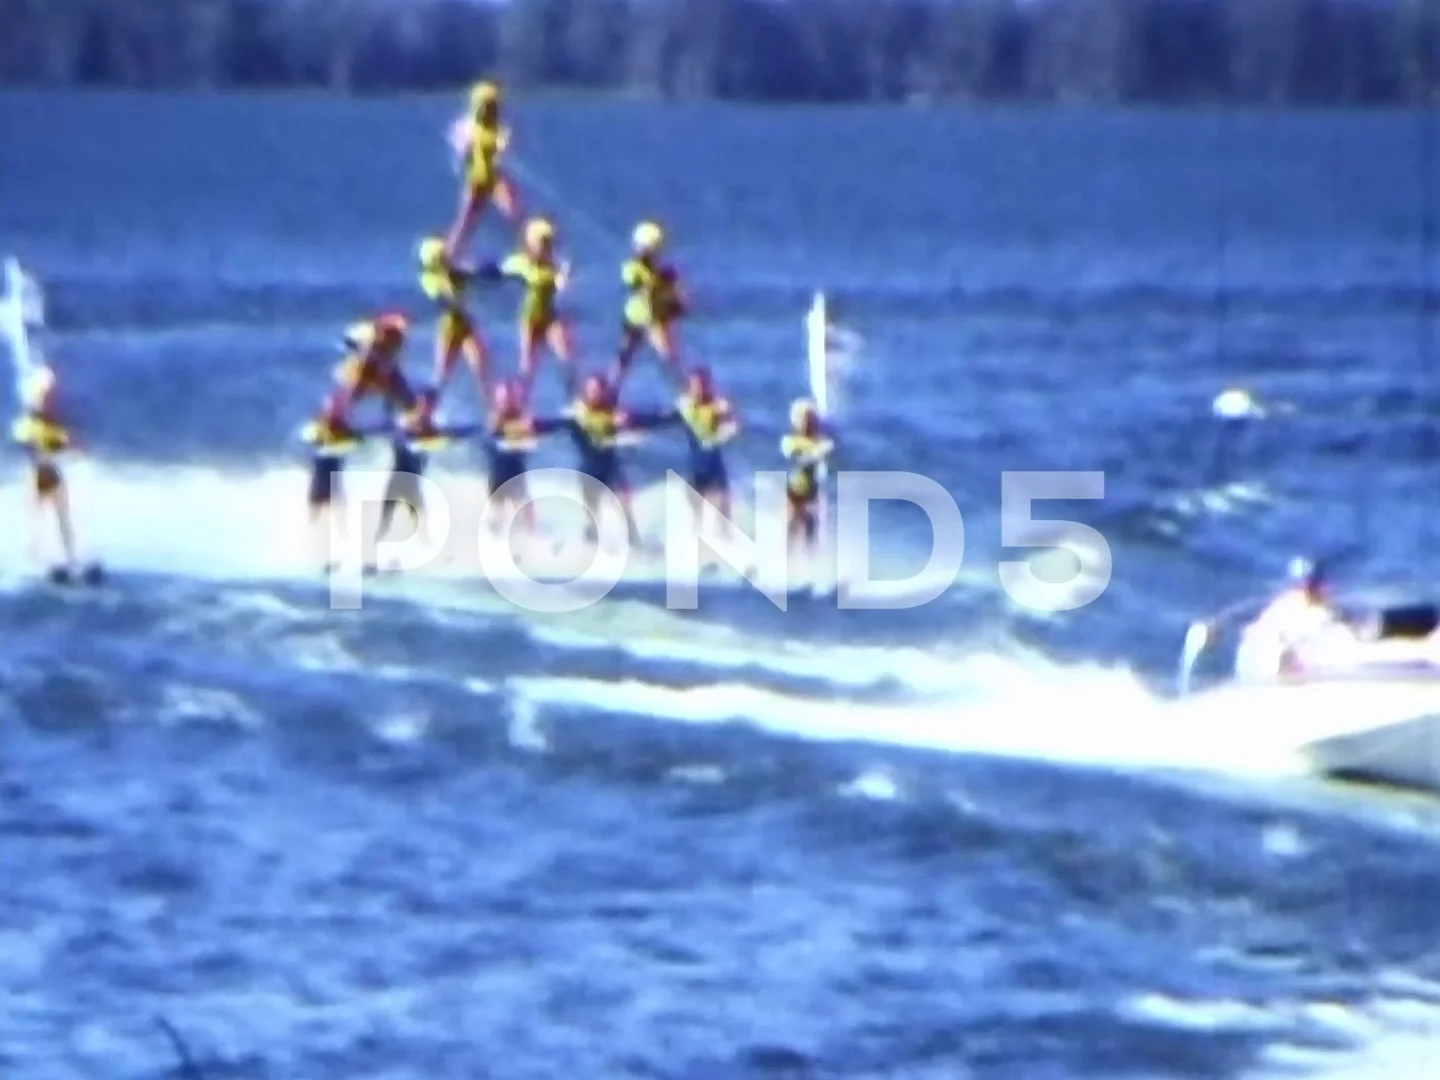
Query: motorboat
x=1357, y=698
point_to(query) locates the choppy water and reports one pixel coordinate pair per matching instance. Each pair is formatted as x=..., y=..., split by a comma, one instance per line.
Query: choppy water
x=438, y=837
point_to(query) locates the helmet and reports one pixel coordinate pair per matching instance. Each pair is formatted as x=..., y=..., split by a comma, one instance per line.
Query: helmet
x=37, y=387
x=484, y=93
x=432, y=251
x=359, y=335
x=648, y=236
x=802, y=411
x=539, y=231
x=700, y=378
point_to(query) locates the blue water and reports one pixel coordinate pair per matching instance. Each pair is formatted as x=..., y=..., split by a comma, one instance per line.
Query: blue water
x=439, y=836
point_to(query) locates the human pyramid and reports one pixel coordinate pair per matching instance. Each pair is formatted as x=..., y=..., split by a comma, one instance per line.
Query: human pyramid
x=597, y=426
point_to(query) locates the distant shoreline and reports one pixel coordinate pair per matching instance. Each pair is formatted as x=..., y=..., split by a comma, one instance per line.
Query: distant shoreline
x=1154, y=54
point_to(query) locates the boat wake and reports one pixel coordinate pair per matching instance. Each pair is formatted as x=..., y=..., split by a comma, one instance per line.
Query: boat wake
x=1012, y=706
x=959, y=691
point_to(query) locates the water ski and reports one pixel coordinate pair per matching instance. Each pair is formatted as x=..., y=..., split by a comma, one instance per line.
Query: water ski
x=91, y=574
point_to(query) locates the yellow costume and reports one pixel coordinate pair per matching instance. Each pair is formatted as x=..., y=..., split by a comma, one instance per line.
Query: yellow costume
x=330, y=436
x=654, y=288
x=444, y=284
x=711, y=422
x=600, y=424
x=487, y=140
x=44, y=440
x=483, y=140
x=653, y=304
x=805, y=448
x=543, y=275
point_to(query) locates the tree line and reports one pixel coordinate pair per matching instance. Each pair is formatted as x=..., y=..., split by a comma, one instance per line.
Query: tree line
x=1352, y=52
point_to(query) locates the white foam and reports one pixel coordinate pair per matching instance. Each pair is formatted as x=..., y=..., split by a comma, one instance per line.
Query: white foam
x=1388, y=1038
x=1212, y=1015
x=189, y=704
x=1268, y=726
x=875, y=784
x=1231, y=498
x=1000, y=706
x=218, y=523
x=402, y=727
x=1012, y=704
x=192, y=521
x=922, y=671
x=1393, y=1037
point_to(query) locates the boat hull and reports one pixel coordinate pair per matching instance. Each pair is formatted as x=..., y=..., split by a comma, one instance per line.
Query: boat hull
x=1379, y=728
x=1404, y=753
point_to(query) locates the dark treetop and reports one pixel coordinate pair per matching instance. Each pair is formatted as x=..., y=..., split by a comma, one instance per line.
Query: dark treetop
x=1244, y=51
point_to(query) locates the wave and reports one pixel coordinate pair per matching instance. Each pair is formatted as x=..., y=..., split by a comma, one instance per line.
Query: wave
x=1392, y=1036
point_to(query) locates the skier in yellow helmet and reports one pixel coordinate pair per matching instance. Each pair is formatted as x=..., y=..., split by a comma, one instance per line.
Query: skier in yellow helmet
x=443, y=280
x=42, y=435
x=655, y=302
x=481, y=138
x=806, y=446
x=545, y=275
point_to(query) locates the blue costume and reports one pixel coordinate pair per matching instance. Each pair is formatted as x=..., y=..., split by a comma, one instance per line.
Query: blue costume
x=412, y=443
x=508, y=440
x=709, y=424
x=330, y=440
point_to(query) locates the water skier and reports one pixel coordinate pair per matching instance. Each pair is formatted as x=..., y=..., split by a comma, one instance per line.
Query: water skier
x=444, y=281
x=510, y=437
x=415, y=438
x=481, y=139
x=372, y=365
x=710, y=423
x=599, y=429
x=655, y=303
x=806, y=447
x=44, y=438
x=331, y=439
x=545, y=275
